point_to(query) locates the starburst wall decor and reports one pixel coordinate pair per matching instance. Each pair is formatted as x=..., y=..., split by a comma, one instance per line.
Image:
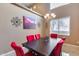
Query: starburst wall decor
x=16, y=21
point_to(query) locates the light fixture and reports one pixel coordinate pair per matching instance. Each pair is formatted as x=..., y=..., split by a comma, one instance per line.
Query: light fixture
x=49, y=16
x=46, y=16
x=53, y=15
x=34, y=7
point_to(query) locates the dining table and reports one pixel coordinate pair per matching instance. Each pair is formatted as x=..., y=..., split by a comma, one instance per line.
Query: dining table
x=43, y=47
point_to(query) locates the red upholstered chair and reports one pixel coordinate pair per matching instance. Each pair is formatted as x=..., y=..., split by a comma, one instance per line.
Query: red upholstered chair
x=53, y=35
x=30, y=38
x=37, y=36
x=63, y=38
x=58, y=49
x=19, y=51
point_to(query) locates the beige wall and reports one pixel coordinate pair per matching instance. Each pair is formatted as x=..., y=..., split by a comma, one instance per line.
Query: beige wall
x=9, y=33
x=71, y=10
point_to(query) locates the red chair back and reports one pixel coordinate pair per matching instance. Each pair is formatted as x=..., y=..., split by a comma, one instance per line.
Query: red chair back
x=63, y=38
x=53, y=35
x=30, y=38
x=37, y=36
x=58, y=49
x=18, y=49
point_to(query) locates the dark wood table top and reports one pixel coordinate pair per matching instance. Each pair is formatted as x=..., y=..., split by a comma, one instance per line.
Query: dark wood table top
x=42, y=46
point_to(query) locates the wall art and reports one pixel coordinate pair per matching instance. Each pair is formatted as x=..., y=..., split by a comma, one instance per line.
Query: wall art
x=29, y=22
x=16, y=21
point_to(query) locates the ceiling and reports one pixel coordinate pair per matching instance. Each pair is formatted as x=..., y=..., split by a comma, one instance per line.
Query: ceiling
x=29, y=5
x=55, y=5
x=43, y=8
x=52, y=5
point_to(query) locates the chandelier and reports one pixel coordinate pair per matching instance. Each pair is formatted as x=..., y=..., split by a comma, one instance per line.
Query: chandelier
x=49, y=15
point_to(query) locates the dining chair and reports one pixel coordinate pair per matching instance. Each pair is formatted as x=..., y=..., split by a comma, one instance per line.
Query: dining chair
x=37, y=36
x=63, y=38
x=58, y=49
x=30, y=38
x=53, y=35
x=19, y=51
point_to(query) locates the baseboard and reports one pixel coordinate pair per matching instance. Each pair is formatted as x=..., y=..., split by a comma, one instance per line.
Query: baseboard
x=10, y=53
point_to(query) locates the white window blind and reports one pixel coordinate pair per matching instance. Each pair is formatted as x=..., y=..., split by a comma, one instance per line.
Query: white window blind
x=60, y=26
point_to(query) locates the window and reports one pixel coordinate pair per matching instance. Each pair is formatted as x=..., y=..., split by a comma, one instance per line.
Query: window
x=60, y=26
